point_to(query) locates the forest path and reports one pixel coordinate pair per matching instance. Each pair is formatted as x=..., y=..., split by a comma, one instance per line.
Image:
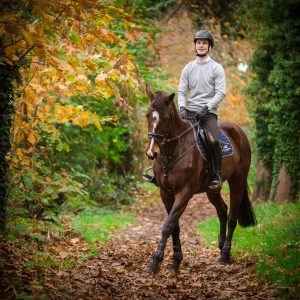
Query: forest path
x=121, y=270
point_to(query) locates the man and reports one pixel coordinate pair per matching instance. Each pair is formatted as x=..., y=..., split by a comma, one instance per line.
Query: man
x=201, y=88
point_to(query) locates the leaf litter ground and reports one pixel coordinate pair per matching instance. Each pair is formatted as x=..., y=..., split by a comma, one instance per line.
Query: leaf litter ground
x=121, y=268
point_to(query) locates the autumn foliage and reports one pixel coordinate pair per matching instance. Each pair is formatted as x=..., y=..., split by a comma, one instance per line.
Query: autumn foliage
x=64, y=49
x=73, y=58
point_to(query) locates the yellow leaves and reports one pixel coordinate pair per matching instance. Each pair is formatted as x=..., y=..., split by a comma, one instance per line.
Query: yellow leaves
x=28, y=93
x=92, y=66
x=108, y=36
x=234, y=109
x=95, y=33
x=62, y=62
x=40, y=51
x=111, y=119
x=25, y=132
x=10, y=52
x=90, y=37
x=131, y=37
x=29, y=38
x=62, y=88
x=100, y=78
x=85, y=118
x=114, y=74
x=19, y=136
x=76, y=115
x=20, y=154
x=32, y=138
x=82, y=77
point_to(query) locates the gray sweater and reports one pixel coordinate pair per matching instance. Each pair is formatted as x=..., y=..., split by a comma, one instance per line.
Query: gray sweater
x=205, y=83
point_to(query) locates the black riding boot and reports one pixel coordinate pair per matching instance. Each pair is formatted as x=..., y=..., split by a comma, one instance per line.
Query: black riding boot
x=216, y=184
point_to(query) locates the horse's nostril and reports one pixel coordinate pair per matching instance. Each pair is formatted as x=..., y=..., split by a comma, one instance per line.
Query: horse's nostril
x=150, y=155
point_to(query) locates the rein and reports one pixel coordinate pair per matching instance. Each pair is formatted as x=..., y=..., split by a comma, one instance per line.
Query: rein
x=165, y=139
x=169, y=166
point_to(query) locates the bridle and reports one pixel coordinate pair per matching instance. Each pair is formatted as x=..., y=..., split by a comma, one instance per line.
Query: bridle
x=162, y=139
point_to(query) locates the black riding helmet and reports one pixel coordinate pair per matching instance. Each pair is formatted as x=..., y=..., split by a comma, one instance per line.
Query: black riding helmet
x=204, y=34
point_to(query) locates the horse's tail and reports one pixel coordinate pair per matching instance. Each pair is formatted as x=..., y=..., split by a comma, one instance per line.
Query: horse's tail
x=246, y=216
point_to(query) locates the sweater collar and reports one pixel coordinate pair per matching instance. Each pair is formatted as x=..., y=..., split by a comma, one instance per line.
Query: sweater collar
x=207, y=59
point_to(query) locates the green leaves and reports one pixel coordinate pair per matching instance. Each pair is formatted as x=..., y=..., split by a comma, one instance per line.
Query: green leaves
x=274, y=89
x=27, y=181
x=49, y=33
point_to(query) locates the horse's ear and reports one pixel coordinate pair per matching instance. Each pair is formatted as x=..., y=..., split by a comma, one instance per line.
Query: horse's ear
x=149, y=92
x=170, y=98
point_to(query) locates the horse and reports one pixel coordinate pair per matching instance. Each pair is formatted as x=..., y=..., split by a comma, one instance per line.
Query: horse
x=180, y=172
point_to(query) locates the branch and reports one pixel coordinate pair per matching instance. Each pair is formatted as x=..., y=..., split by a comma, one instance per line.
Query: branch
x=21, y=92
x=20, y=59
x=13, y=43
x=26, y=52
x=174, y=12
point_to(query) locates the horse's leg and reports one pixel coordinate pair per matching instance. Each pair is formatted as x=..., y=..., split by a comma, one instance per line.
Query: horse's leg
x=221, y=207
x=177, y=251
x=168, y=201
x=180, y=203
x=236, y=185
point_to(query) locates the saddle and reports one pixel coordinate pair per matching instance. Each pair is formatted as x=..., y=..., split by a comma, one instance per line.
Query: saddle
x=204, y=140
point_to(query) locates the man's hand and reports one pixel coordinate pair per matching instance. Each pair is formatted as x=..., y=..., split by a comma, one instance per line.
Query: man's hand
x=182, y=112
x=203, y=112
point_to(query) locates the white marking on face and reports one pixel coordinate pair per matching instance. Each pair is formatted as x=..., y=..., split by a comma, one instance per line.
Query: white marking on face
x=155, y=117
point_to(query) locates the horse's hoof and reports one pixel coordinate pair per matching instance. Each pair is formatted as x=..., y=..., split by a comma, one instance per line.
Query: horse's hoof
x=154, y=268
x=173, y=268
x=222, y=263
x=224, y=259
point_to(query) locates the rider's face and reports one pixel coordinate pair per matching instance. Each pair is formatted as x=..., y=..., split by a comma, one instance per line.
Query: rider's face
x=202, y=46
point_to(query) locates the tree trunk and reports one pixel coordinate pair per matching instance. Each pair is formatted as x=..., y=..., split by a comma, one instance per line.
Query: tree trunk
x=283, y=189
x=6, y=110
x=262, y=183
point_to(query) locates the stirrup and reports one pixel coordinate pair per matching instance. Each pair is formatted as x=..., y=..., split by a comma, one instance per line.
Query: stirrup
x=147, y=177
x=216, y=187
x=216, y=184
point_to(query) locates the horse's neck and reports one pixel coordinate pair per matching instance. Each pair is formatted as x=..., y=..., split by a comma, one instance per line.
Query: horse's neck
x=179, y=141
x=178, y=127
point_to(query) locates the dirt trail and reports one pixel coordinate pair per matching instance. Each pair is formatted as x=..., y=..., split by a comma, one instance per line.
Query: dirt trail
x=121, y=270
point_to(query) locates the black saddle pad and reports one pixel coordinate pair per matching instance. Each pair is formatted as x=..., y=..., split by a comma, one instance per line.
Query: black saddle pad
x=225, y=143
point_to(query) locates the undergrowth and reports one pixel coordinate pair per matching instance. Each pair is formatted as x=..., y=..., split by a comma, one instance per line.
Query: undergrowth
x=273, y=245
x=97, y=224
x=93, y=225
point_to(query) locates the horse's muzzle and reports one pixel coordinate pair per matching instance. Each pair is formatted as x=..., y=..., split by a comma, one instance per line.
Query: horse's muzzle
x=151, y=155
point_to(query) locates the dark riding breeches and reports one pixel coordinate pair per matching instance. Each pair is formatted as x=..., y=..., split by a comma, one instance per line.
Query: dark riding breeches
x=209, y=123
